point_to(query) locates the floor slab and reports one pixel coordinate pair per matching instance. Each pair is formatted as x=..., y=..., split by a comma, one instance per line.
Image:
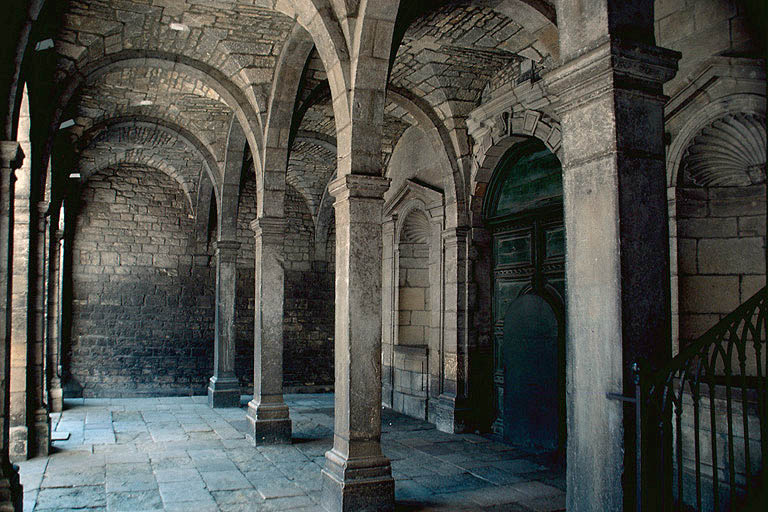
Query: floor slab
x=176, y=453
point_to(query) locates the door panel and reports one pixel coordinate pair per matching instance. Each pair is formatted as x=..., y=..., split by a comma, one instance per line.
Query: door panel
x=531, y=373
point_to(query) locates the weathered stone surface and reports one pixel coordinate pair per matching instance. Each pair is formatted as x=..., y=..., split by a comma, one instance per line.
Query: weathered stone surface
x=268, y=416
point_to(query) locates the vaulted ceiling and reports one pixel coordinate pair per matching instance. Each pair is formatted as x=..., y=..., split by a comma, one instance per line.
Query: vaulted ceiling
x=157, y=83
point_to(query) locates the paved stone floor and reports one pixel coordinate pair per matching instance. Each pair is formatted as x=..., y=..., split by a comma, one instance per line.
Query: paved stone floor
x=177, y=454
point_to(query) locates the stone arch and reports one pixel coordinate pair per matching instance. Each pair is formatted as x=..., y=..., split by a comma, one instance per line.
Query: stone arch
x=729, y=151
x=317, y=138
x=325, y=218
x=230, y=183
x=204, y=151
x=139, y=158
x=695, y=120
x=502, y=132
x=539, y=18
x=354, y=94
x=730, y=104
x=322, y=25
x=204, y=209
x=195, y=44
x=431, y=124
x=282, y=99
x=13, y=62
x=232, y=95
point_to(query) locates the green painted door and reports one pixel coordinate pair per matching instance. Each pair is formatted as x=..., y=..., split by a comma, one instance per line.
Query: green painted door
x=524, y=214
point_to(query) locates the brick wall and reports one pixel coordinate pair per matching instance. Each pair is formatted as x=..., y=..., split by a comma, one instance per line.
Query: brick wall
x=142, y=313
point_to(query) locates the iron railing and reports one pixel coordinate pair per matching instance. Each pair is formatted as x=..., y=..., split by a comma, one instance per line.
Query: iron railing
x=702, y=435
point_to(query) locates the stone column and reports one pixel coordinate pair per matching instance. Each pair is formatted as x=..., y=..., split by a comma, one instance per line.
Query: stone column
x=389, y=290
x=617, y=265
x=22, y=318
x=224, y=388
x=452, y=408
x=269, y=419
x=40, y=440
x=357, y=476
x=55, y=393
x=11, y=157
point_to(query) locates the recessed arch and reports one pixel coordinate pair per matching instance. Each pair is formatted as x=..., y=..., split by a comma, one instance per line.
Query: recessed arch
x=140, y=159
x=734, y=103
x=204, y=151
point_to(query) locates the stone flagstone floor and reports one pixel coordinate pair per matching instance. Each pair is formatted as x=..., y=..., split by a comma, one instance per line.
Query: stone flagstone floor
x=177, y=454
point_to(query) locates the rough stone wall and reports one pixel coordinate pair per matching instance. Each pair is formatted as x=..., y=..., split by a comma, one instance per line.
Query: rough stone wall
x=143, y=313
x=308, y=324
x=721, y=252
x=244, y=302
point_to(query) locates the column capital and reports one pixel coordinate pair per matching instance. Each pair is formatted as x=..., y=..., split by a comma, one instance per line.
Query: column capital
x=454, y=235
x=269, y=227
x=615, y=64
x=11, y=155
x=361, y=186
x=227, y=248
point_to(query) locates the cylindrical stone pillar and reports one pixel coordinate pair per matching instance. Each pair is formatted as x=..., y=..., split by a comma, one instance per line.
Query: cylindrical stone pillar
x=224, y=388
x=11, y=157
x=357, y=476
x=267, y=413
x=55, y=393
x=41, y=437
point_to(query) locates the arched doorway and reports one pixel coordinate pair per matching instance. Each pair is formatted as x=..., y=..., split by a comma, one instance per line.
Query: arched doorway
x=523, y=210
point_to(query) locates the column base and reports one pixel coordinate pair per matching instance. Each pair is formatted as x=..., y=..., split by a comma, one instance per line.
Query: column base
x=223, y=392
x=11, y=493
x=18, y=446
x=449, y=415
x=42, y=444
x=269, y=423
x=362, y=484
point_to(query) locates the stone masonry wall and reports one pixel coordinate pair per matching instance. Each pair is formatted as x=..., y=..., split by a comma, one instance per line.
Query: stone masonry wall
x=413, y=311
x=721, y=252
x=244, y=301
x=700, y=29
x=411, y=372
x=143, y=314
x=308, y=324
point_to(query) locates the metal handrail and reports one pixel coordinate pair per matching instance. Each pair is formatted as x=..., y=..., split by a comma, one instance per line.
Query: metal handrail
x=729, y=359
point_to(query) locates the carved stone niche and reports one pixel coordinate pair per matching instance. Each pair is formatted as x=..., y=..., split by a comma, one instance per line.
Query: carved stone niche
x=729, y=152
x=411, y=365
